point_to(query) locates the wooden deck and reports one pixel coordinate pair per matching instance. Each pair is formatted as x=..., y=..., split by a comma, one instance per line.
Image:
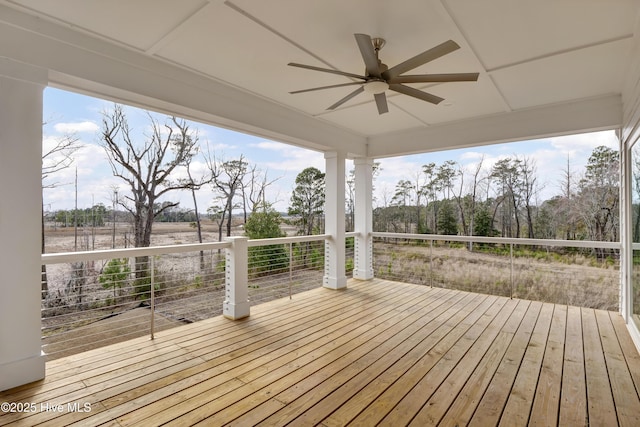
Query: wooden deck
x=379, y=352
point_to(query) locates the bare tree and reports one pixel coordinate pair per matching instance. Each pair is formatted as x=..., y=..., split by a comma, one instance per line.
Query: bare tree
x=58, y=157
x=402, y=199
x=194, y=185
x=418, y=188
x=146, y=167
x=475, y=188
x=460, y=200
x=55, y=158
x=430, y=190
x=567, y=201
x=227, y=177
x=529, y=189
x=254, y=189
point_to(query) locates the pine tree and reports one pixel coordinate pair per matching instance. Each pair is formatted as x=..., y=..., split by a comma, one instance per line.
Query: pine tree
x=447, y=222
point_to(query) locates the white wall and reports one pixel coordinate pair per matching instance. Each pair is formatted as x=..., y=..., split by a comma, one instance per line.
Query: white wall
x=21, y=90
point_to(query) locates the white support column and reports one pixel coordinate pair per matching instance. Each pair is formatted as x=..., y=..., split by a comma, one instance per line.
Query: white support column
x=21, y=358
x=626, y=231
x=363, y=248
x=236, y=302
x=334, y=251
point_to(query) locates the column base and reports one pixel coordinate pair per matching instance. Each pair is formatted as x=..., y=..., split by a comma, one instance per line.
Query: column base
x=19, y=372
x=362, y=274
x=235, y=311
x=334, y=282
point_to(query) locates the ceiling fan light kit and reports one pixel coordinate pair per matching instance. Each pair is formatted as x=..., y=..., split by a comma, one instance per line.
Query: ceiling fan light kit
x=375, y=86
x=378, y=78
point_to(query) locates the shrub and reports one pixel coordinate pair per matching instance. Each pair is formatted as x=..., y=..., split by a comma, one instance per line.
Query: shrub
x=115, y=275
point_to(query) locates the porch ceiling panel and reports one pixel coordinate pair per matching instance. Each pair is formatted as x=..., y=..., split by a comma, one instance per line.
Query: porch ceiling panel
x=530, y=56
x=505, y=32
x=581, y=73
x=120, y=21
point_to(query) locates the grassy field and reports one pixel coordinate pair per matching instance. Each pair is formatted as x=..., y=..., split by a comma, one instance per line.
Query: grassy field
x=564, y=278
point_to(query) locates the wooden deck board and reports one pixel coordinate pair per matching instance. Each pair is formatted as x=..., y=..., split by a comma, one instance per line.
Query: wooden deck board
x=573, y=400
x=600, y=405
x=619, y=377
x=546, y=403
x=379, y=352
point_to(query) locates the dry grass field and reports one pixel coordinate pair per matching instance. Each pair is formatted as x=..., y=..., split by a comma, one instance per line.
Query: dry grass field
x=562, y=278
x=61, y=239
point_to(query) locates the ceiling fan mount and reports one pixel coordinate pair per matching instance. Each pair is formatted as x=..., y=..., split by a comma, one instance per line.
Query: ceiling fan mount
x=378, y=78
x=378, y=43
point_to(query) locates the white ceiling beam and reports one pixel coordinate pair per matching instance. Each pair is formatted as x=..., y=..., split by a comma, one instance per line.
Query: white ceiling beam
x=581, y=116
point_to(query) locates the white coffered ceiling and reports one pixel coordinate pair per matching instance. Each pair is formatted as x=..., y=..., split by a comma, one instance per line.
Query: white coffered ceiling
x=532, y=56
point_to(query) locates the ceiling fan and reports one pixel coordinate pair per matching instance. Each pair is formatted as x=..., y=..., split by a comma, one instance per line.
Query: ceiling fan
x=378, y=77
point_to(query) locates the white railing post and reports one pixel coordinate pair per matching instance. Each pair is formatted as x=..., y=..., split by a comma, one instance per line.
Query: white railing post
x=290, y=266
x=431, y=263
x=511, y=270
x=152, y=303
x=236, y=302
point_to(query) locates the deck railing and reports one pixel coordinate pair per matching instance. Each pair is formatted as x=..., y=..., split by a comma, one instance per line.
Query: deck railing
x=100, y=297
x=581, y=273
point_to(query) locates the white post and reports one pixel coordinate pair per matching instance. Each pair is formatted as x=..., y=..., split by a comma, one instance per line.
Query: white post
x=363, y=224
x=334, y=211
x=626, y=231
x=236, y=302
x=21, y=357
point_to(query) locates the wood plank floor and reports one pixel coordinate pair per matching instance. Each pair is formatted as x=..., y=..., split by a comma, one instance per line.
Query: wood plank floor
x=378, y=353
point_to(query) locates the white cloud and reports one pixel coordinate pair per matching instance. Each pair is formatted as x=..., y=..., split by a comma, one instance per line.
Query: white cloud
x=217, y=147
x=472, y=155
x=286, y=158
x=272, y=145
x=76, y=127
x=584, y=143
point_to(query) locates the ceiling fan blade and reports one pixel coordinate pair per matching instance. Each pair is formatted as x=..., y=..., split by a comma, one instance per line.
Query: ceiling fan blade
x=406, y=90
x=418, y=60
x=436, y=78
x=327, y=70
x=381, y=103
x=368, y=54
x=346, y=98
x=325, y=87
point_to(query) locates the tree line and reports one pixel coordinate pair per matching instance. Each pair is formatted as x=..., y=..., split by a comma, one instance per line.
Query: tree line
x=504, y=200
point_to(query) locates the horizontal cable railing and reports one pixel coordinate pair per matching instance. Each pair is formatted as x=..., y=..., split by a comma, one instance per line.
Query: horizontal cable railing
x=284, y=266
x=101, y=297
x=96, y=298
x=573, y=272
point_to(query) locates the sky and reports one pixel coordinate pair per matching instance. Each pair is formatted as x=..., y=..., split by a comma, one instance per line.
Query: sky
x=68, y=113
